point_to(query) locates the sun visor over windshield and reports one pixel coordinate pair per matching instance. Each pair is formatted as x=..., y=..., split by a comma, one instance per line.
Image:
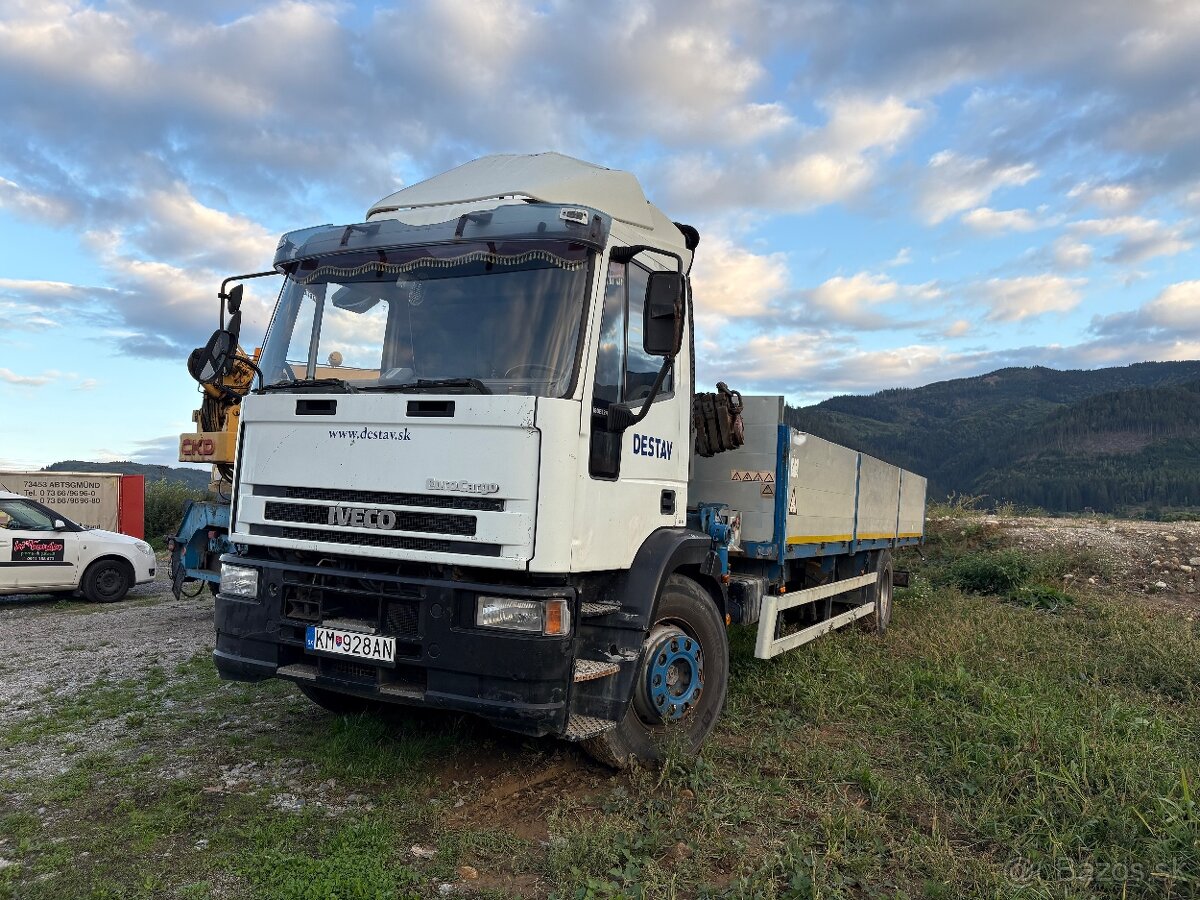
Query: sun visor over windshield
x=509, y=222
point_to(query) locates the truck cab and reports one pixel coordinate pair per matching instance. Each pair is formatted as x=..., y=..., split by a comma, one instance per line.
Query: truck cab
x=462, y=480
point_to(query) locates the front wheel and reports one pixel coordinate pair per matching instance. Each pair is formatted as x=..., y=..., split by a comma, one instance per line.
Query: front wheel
x=106, y=581
x=681, y=681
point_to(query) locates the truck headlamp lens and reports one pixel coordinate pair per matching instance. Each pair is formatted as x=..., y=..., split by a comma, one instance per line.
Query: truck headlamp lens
x=241, y=581
x=552, y=617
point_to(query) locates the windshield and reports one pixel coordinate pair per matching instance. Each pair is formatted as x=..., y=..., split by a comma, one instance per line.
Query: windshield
x=502, y=316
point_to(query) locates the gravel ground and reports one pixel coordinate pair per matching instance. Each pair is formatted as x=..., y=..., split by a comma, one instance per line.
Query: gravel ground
x=1147, y=557
x=49, y=647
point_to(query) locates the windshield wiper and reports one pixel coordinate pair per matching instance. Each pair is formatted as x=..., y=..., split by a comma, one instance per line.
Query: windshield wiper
x=434, y=384
x=312, y=385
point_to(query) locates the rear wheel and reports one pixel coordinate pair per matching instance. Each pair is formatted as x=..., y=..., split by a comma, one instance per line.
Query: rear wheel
x=881, y=592
x=680, y=686
x=106, y=581
x=337, y=703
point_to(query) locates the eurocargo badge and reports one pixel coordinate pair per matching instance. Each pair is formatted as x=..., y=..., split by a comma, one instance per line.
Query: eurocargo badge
x=462, y=487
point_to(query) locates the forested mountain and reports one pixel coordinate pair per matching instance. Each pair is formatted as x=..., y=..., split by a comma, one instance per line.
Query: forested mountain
x=1113, y=440
x=196, y=478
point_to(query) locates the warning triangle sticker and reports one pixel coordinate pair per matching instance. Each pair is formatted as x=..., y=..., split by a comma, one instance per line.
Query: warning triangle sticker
x=768, y=491
x=758, y=476
x=770, y=477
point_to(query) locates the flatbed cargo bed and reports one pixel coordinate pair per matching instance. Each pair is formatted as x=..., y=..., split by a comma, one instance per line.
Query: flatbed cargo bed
x=801, y=496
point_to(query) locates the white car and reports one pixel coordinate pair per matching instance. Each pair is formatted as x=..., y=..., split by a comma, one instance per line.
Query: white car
x=42, y=551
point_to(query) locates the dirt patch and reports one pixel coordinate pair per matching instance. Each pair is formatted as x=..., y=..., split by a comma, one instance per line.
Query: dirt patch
x=517, y=803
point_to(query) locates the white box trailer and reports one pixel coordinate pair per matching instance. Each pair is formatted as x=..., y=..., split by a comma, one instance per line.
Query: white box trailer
x=109, y=501
x=804, y=509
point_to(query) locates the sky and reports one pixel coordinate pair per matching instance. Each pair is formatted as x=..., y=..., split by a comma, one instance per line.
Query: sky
x=888, y=193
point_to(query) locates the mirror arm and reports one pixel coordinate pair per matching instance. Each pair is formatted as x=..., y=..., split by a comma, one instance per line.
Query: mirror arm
x=625, y=254
x=621, y=417
x=223, y=293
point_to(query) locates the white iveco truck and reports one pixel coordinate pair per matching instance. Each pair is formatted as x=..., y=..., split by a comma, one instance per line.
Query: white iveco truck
x=474, y=474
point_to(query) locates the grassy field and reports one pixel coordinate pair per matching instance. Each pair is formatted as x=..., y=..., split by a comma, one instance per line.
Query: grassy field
x=1006, y=739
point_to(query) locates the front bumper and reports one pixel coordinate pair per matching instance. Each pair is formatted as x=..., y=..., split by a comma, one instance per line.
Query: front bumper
x=519, y=682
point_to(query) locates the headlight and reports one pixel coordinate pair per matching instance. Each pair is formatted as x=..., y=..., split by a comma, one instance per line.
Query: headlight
x=144, y=548
x=239, y=580
x=551, y=616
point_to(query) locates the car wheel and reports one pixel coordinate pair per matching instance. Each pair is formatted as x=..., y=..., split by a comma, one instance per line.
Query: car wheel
x=680, y=687
x=106, y=581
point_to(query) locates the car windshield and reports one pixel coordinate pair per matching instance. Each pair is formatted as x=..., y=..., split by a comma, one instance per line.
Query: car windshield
x=24, y=516
x=497, y=316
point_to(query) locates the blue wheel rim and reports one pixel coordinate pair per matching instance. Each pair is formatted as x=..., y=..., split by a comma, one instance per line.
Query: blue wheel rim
x=674, y=675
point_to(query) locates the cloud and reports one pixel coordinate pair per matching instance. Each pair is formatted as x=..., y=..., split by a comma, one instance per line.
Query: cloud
x=998, y=221
x=853, y=300
x=902, y=258
x=24, y=202
x=151, y=346
x=1136, y=239
x=866, y=301
x=958, y=328
x=1122, y=84
x=10, y=377
x=1027, y=296
x=1112, y=198
x=729, y=280
x=953, y=183
x=1068, y=253
x=1173, y=314
x=811, y=168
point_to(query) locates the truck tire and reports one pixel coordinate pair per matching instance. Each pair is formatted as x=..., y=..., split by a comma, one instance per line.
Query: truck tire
x=337, y=703
x=681, y=681
x=106, y=581
x=883, y=592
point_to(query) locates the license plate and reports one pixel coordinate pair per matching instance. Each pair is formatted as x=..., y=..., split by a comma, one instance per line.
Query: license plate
x=354, y=644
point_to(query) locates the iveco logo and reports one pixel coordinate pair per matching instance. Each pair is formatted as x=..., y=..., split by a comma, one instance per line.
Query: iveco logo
x=358, y=517
x=462, y=487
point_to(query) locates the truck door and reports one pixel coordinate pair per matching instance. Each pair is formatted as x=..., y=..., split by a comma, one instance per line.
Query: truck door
x=33, y=555
x=638, y=478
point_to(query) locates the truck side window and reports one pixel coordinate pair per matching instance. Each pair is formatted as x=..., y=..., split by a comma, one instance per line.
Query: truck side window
x=610, y=358
x=640, y=367
x=624, y=371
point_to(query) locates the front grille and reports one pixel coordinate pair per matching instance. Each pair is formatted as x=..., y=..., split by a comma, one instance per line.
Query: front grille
x=402, y=619
x=318, y=596
x=382, y=539
x=435, y=523
x=433, y=501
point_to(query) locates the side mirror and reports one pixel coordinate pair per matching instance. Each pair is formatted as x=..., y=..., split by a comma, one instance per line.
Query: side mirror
x=60, y=525
x=662, y=322
x=233, y=300
x=208, y=364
